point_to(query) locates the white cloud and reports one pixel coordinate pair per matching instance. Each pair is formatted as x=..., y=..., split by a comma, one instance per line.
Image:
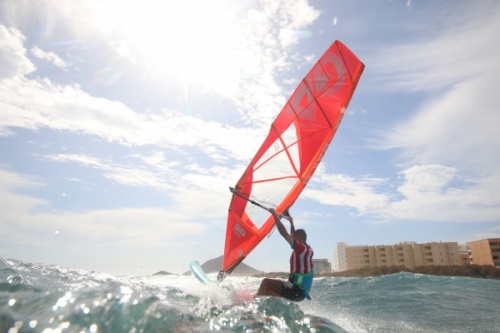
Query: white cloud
x=199, y=190
x=127, y=226
x=13, y=55
x=449, y=150
x=13, y=202
x=453, y=137
x=435, y=193
x=359, y=193
x=268, y=36
x=26, y=218
x=465, y=49
x=208, y=157
x=423, y=193
x=49, y=56
x=238, y=62
x=35, y=104
x=297, y=15
x=458, y=128
x=461, y=66
x=162, y=176
x=68, y=108
x=426, y=179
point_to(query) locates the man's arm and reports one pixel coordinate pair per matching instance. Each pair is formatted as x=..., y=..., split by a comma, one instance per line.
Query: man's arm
x=281, y=228
x=292, y=227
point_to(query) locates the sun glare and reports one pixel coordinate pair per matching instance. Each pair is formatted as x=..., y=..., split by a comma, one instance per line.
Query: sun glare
x=195, y=40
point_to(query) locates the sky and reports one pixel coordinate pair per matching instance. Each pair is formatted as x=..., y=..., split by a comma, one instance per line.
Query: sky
x=122, y=125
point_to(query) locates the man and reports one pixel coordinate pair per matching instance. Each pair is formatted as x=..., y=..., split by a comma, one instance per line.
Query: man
x=301, y=269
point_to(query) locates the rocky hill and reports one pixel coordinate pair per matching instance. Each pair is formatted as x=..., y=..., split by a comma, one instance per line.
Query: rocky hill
x=214, y=266
x=162, y=273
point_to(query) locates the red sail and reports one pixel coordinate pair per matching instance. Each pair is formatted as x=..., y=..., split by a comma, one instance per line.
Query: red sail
x=290, y=154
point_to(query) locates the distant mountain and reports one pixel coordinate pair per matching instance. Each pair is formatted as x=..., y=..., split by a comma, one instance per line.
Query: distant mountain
x=162, y=273
x=214, y=266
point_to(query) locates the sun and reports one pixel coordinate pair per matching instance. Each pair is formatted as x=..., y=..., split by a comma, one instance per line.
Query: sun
x=195, y=40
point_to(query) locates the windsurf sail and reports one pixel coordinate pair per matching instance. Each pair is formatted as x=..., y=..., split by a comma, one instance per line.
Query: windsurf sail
x=288, y=157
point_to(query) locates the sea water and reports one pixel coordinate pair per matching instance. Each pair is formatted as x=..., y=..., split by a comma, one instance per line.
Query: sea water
x=44, y=298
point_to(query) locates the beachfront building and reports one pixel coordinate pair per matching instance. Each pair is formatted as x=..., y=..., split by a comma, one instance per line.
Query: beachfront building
x=485, y=252
x=408, y=254
x=339, y=258
x=322, y=266
x=464, y=254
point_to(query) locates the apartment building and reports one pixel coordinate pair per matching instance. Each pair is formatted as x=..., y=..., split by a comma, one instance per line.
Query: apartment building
x=464, y=254
x=408, y=254
x=322, y=266
x=339, y=257
x=485, y=252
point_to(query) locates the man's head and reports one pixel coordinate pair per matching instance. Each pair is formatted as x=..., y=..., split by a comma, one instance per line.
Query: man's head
x=301, y=235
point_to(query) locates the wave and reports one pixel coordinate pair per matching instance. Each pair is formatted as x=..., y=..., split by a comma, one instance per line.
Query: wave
x=47, y=298
x=40, y=298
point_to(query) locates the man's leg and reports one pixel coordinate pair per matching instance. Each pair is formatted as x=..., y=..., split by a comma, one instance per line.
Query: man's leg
x=270, y=287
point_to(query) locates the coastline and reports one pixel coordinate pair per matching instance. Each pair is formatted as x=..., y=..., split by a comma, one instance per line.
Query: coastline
x=473, y=271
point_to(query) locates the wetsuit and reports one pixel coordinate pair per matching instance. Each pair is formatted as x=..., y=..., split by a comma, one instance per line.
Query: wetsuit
x=301, y=273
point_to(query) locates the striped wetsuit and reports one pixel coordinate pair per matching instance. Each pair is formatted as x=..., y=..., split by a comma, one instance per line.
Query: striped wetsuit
x=301, y=273
x=301, y=258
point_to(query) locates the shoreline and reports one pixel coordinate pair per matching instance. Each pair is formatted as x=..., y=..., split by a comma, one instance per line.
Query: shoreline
x=473, y=271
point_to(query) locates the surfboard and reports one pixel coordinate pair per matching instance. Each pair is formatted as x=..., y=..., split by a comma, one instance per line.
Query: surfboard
x=198, y=272
x=238, y=296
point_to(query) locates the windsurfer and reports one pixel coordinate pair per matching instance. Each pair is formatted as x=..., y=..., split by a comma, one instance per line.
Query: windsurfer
x=301, y=268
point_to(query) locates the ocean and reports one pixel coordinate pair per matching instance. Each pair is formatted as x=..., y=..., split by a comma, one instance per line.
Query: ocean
x=46, y=298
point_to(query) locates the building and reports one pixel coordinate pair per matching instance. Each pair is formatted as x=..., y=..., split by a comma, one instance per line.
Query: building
x=485, y=252
x=464, y=254
x=322, y=266
x=408, y=254
x=339, y=257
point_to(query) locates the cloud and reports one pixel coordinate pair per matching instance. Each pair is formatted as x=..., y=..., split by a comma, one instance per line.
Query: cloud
x=268, y=35
x=70, y=108
x=458, y=69
x=457, y=128
x=436, y=193
x=122, y=174
x=49, y=56
x=359, y=193
x=12, y=201
x=186, y=159
x=422, y=193
x=13, y=55
x=449, y=148
x=25, y=219
x=201, y=191
x=299, y=14
x=463, y=48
